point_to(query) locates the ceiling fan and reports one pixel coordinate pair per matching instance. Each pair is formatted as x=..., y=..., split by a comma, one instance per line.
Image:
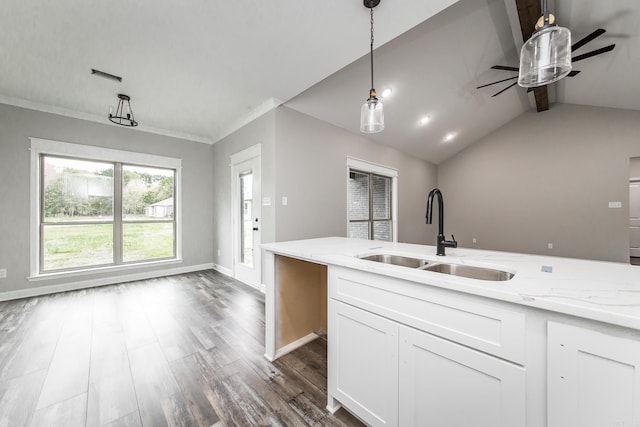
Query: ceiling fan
x=577, y=58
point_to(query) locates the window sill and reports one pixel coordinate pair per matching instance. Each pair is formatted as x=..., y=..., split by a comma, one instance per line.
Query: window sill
x=96, y=270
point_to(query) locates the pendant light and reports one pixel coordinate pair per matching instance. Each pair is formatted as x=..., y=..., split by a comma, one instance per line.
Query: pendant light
x=371, y=114
x=124, y=114
x=546, y=57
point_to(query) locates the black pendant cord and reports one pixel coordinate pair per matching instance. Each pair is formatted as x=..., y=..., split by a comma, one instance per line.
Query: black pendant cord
x=545, y=12
x=371, y=51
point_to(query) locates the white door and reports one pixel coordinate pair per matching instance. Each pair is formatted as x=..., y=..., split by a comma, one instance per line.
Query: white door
x=445, y=384
x=593, y=378
x=245, y=190
x=634, y=218
x=363, y=363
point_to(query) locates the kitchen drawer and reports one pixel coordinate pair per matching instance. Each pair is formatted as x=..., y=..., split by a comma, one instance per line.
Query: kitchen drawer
x=469, y=320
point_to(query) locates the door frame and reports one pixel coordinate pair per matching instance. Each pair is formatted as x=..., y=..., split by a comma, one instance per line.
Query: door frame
x=252, y=153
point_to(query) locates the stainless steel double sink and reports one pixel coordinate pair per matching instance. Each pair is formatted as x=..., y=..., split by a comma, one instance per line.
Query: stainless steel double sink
x=462, y=270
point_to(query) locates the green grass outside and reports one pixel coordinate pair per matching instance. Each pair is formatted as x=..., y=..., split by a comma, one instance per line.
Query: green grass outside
x=92, y=244
x=147, y=241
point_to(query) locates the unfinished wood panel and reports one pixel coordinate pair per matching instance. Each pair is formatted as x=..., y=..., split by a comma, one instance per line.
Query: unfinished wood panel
x=301, y=300
x=323, y=300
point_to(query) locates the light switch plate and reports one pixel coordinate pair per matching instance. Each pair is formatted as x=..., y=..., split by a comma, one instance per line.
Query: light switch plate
x=284, y=201
x=615, y=205
x=3, y=273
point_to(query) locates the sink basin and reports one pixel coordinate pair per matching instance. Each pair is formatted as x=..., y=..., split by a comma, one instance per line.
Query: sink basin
x=469, y=271
x=462, y=270
x=397, y=260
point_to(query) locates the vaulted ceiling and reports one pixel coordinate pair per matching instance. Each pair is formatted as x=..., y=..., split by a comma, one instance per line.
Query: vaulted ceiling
x=200, y=69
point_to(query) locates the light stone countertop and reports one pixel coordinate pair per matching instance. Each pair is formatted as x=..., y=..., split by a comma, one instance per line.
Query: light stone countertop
x=603, y=291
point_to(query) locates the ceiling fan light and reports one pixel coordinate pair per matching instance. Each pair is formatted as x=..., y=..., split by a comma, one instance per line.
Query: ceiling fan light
x=546, y=57
x=372, y=116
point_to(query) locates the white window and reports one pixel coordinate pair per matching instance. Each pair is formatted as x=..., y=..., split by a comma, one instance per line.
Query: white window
x=372, y=201
x=95, y=207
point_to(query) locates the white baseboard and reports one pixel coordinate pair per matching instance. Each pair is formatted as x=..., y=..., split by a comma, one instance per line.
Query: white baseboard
x=297, y=343
x=224, y=270
x=92, y=283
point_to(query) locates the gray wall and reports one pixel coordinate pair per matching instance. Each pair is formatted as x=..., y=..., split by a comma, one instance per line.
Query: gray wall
x=546, y=178
x=304, y=159
x=311, y=173
x=259, y=131
x=18, y=124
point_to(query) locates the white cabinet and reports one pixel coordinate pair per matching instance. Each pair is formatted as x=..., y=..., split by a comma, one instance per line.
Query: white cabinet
x=363, y=355
x=445, y=384
x=593, y=378
x=386, y=365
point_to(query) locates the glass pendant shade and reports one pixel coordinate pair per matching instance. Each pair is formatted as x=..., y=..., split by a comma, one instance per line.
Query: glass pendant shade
x=372, y=116
x=545, y=57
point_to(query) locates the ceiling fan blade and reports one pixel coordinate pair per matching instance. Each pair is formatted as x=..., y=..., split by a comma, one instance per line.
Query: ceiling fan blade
x=510, y=86
x=586, y=39
x=499, y=81
x=506, y=68
x=573, y=73
x=593, y=53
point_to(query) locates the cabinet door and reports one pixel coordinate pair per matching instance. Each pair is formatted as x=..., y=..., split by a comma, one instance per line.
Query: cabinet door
x=363, y=363
x=446, y=384
x=593, y=378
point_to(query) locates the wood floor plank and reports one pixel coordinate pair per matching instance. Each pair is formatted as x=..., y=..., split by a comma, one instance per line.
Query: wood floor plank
x=175, y=340
x=18, y=398
x=248, y=401
x=100, y=357
x=33, y=339
x=129, y=420
x=160, y=400
x=67, y=413
x=111, y=393
x=68, y=373
x=198, y=394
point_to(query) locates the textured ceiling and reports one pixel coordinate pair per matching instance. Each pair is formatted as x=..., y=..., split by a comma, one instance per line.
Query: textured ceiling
x=194, y=68
x=200, y=69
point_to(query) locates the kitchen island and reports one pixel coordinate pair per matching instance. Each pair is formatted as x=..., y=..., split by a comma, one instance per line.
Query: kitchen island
x=558, y=344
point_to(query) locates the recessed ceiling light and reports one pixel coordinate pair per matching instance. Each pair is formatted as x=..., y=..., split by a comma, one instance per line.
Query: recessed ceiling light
x=424, y=120
x=386, y=92
x=448, y=137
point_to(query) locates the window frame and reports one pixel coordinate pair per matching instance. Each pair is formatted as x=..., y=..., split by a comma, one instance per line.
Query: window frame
x=363, y=166
x=41, y=147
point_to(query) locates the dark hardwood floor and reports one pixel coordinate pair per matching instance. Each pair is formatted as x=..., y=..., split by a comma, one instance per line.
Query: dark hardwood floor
x=184, y=350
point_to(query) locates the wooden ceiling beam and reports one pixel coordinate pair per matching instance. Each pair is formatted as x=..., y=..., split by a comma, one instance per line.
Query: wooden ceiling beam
x=528, y=13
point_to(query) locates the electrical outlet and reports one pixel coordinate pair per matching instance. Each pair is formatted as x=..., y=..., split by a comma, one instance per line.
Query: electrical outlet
x=549, y=245
x=475, y=240
x=3, y=273
x=218, y=252
x=285, y=200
